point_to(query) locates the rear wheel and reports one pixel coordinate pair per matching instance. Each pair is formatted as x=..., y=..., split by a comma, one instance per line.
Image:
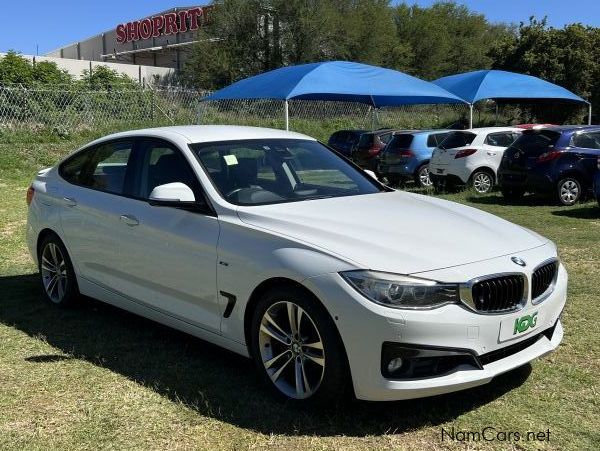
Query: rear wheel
x=482, y=181
x=296, y=347
x=569, y=191
x=422, y=176
x=56, y=272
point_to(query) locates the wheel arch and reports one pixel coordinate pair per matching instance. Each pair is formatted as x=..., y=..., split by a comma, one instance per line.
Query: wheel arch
x=42, y=236
x=487, y=169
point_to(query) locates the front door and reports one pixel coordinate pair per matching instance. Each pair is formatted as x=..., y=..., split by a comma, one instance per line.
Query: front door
x=168, y=256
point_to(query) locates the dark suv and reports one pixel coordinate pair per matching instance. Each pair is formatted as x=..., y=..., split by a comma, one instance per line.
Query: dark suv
x=344, y=141
x=560, y=161
x=368, y=147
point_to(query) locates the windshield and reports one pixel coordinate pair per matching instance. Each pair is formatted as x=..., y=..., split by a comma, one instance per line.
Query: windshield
x=457, y=139
x=267, y=171
x=366, y=140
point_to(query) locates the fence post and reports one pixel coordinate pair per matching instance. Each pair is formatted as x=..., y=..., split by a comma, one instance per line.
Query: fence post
x=470, y=115
x=590, y=113
x=287, y=114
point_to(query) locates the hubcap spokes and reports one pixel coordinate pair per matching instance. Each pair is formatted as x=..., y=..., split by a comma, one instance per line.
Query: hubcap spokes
x=569, y=191
x=482, y=183
x=424, y=177
x=291, y=350
x=54, y=272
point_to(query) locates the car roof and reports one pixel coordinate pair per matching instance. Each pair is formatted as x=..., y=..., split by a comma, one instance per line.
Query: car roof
x=210, y=133
x=492, y=129
x=423, y=132
x=569, y=128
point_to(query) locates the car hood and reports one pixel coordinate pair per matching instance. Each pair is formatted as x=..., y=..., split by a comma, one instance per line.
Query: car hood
x=395, y=231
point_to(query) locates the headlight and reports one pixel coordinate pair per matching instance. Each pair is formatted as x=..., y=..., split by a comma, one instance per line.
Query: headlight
x=397, y=291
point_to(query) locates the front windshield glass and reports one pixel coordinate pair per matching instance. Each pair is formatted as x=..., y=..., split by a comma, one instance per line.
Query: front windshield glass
x=267, y=171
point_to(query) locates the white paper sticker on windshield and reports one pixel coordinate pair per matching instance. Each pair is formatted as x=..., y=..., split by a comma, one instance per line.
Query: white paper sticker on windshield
x=230, y=160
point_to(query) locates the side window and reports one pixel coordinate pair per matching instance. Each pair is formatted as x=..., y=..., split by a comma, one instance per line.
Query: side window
x=161, y=164
x=103, y=167
x=503, y=139
x=587, y=140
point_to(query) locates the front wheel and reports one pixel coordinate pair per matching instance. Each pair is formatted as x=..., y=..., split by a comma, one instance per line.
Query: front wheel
x=56, y=272
x=569, y=191
x=422, y=178
x=296, y=347
x=482, y=182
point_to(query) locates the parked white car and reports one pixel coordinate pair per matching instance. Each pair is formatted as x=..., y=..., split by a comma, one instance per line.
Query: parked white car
x=270, y=245
x=471, y=157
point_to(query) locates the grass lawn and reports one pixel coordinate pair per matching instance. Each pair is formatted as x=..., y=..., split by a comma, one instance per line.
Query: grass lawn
x=96, y=377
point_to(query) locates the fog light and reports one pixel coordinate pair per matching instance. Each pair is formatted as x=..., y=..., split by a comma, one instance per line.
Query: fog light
x=394, y=365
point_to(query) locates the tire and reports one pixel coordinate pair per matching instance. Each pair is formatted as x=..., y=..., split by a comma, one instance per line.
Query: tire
x=568, y=191
x=422, y=177
x=54, y=264
x=513, y=193
x=482, y=181
x=438, y=187
x=295, y=367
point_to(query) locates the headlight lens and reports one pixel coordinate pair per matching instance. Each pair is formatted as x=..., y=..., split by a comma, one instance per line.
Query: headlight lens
x=398, y=291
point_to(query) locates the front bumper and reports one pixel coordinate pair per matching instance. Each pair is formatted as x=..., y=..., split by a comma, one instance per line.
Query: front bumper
x=365, y=326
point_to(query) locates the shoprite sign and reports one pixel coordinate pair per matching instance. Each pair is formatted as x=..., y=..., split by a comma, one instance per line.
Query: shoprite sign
x=165, y=24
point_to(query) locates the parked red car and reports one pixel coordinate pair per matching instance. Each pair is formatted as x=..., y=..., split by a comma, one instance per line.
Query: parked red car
x=368, y=148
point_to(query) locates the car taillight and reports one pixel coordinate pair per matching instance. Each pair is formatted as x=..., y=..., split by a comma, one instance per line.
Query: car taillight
x=548, y=156
x=598, y=164
x=405, y=153
x=29, y=196
x=374, y=150
x=464, y=153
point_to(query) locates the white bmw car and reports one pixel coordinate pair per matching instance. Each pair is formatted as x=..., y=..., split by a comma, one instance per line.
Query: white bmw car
x=267, y=243
x=471, y=157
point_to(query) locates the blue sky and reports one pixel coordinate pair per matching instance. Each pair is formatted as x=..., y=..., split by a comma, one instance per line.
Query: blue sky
x=53, y=23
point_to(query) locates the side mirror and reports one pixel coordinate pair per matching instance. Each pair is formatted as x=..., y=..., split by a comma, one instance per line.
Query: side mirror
x=172, y=192
x=177, y=195
x=371, y=173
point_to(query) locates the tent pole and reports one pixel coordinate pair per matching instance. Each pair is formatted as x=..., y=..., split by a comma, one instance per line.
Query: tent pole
x=590, y=113
x=496, y=121
x=470, y=115
x=287, y=114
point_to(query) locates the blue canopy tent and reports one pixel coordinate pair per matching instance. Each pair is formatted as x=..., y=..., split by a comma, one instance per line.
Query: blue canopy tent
x=502, y=85
x=337, y=81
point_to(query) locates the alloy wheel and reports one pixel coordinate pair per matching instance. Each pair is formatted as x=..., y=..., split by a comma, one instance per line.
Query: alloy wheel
x=569, y=192
x=291, y=350
x=54, y=272
x=424, y=179
x=482, y=182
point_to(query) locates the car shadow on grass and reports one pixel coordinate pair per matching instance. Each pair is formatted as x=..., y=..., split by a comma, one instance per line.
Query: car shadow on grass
x=587, y=211
x=213, y=382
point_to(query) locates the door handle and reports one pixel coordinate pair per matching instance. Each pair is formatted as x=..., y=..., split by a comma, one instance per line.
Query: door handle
x=491, y=154
x=69, y=201
x=129, y=220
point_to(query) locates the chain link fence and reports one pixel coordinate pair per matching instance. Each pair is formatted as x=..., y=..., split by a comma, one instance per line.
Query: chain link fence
x=69, y=110
x=74, y=109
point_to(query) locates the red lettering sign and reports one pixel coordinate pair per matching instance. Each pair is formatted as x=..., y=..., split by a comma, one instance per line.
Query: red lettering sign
x=165, y=24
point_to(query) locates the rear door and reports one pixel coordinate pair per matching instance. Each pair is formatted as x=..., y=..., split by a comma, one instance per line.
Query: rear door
x=93, y=197
x=495, y=144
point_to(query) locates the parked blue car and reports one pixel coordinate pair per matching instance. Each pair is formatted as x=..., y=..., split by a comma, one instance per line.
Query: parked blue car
x=407, y=156
x=597, y=184
x=558, y=160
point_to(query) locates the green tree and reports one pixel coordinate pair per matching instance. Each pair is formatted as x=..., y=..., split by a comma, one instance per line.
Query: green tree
x=15, y=69
x=446, y=38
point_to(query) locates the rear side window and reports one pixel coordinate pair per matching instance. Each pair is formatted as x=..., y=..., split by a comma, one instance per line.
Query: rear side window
x=500, y=139
x=103, y=168
x=536, y=143
x=400, y=142
x=385, y=138
x=457, y=139
x=366, y=140
x=435, y=139
x=586, y=140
